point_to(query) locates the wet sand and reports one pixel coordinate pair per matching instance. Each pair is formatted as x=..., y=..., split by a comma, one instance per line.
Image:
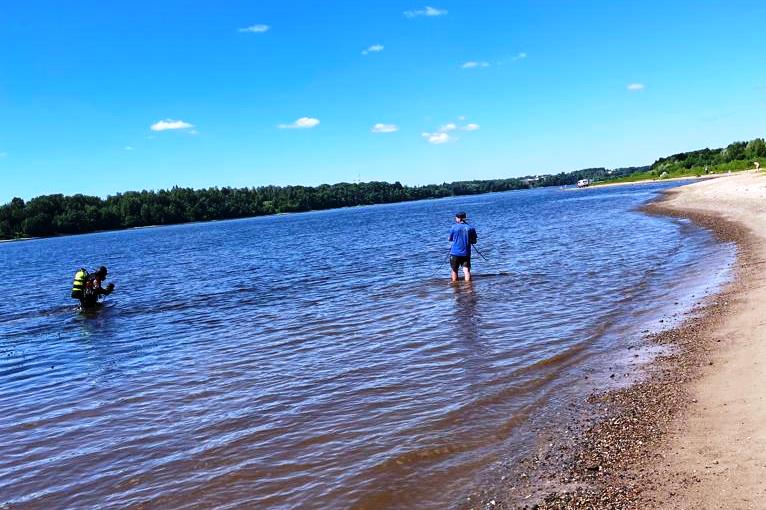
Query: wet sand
x=692, y=433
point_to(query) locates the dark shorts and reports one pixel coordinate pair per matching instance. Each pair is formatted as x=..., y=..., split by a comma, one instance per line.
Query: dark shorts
x=455, y=262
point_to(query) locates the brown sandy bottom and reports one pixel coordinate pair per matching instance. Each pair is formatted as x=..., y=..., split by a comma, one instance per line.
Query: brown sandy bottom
x=610, y=453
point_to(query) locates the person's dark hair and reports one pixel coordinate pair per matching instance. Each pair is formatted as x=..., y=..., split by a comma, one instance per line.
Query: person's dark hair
x=101, y=272
x=460, y=215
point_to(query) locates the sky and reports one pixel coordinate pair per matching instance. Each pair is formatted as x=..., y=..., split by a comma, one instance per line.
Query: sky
x=104, y=97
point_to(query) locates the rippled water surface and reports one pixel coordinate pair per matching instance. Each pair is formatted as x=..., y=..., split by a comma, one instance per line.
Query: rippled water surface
x=322, y=360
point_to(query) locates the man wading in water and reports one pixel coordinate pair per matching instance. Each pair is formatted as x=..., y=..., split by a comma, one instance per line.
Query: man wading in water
x=462, y=236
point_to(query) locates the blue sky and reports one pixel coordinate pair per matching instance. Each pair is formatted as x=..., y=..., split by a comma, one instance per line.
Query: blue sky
x=101, y=97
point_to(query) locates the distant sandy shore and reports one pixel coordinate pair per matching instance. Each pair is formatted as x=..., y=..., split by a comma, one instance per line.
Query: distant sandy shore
x=17, y=240
x=652, y=181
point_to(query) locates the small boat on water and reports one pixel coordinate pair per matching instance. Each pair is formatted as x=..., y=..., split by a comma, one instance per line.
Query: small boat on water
x=584, y=183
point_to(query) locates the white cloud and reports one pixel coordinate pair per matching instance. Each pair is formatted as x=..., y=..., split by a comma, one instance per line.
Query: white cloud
x=428, y=11
x=302, y=123
x=164, y=125
x=635, y=87
x=443, y=134
x=128, y=148
x=519, y=56
x=375, y=48
x=473, y=64
x=255, y=29
x=438, y=138
x=384, y=128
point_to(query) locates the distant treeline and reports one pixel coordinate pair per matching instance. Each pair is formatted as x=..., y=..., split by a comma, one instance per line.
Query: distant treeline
x=50, y=215
x=745, y=152
x=736, y=156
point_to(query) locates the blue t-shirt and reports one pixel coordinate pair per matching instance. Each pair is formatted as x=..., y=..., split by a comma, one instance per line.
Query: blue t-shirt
x=462, y=237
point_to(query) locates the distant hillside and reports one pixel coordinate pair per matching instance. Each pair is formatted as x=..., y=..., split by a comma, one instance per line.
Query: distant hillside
x=712, y=158
x=736, y=156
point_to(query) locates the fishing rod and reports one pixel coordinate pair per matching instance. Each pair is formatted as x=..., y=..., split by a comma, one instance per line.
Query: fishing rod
x=439, y=267
x=480, y=253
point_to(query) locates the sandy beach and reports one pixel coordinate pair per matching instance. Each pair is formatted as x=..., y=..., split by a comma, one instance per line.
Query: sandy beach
x=690, y=434
x=708, y=446
x=715, y=456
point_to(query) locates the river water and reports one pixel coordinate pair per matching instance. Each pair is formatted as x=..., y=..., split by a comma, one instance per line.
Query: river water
x=323, y=360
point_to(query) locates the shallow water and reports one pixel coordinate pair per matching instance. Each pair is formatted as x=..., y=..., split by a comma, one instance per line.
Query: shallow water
x=322, y=360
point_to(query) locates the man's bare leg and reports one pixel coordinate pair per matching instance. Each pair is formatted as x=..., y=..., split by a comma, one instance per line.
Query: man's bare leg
x=453, y=274
x=467, y=274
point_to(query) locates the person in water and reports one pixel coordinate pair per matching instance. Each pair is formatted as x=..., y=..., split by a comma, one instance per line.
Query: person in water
x=87, y=287
x=462, y=236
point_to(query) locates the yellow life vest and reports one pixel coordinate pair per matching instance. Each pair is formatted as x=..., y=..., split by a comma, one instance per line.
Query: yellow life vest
x=79, y=280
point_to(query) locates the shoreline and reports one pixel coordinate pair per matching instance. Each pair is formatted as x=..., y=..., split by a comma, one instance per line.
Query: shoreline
x=655, y=181
x=628, y=448
x=716, y=456
x=19, y=239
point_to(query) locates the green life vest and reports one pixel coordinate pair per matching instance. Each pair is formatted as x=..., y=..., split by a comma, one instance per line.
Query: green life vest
x=79, y=280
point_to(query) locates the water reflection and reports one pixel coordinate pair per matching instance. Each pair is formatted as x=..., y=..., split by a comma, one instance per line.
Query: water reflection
x=93, y=321
x=466, y=299
x=466, y=331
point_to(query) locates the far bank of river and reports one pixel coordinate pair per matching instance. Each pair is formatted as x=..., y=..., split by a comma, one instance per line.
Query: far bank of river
x=650, y=181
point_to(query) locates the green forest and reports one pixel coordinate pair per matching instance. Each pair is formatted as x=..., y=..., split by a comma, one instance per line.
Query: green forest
x=734, y=157
x=51, y=215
